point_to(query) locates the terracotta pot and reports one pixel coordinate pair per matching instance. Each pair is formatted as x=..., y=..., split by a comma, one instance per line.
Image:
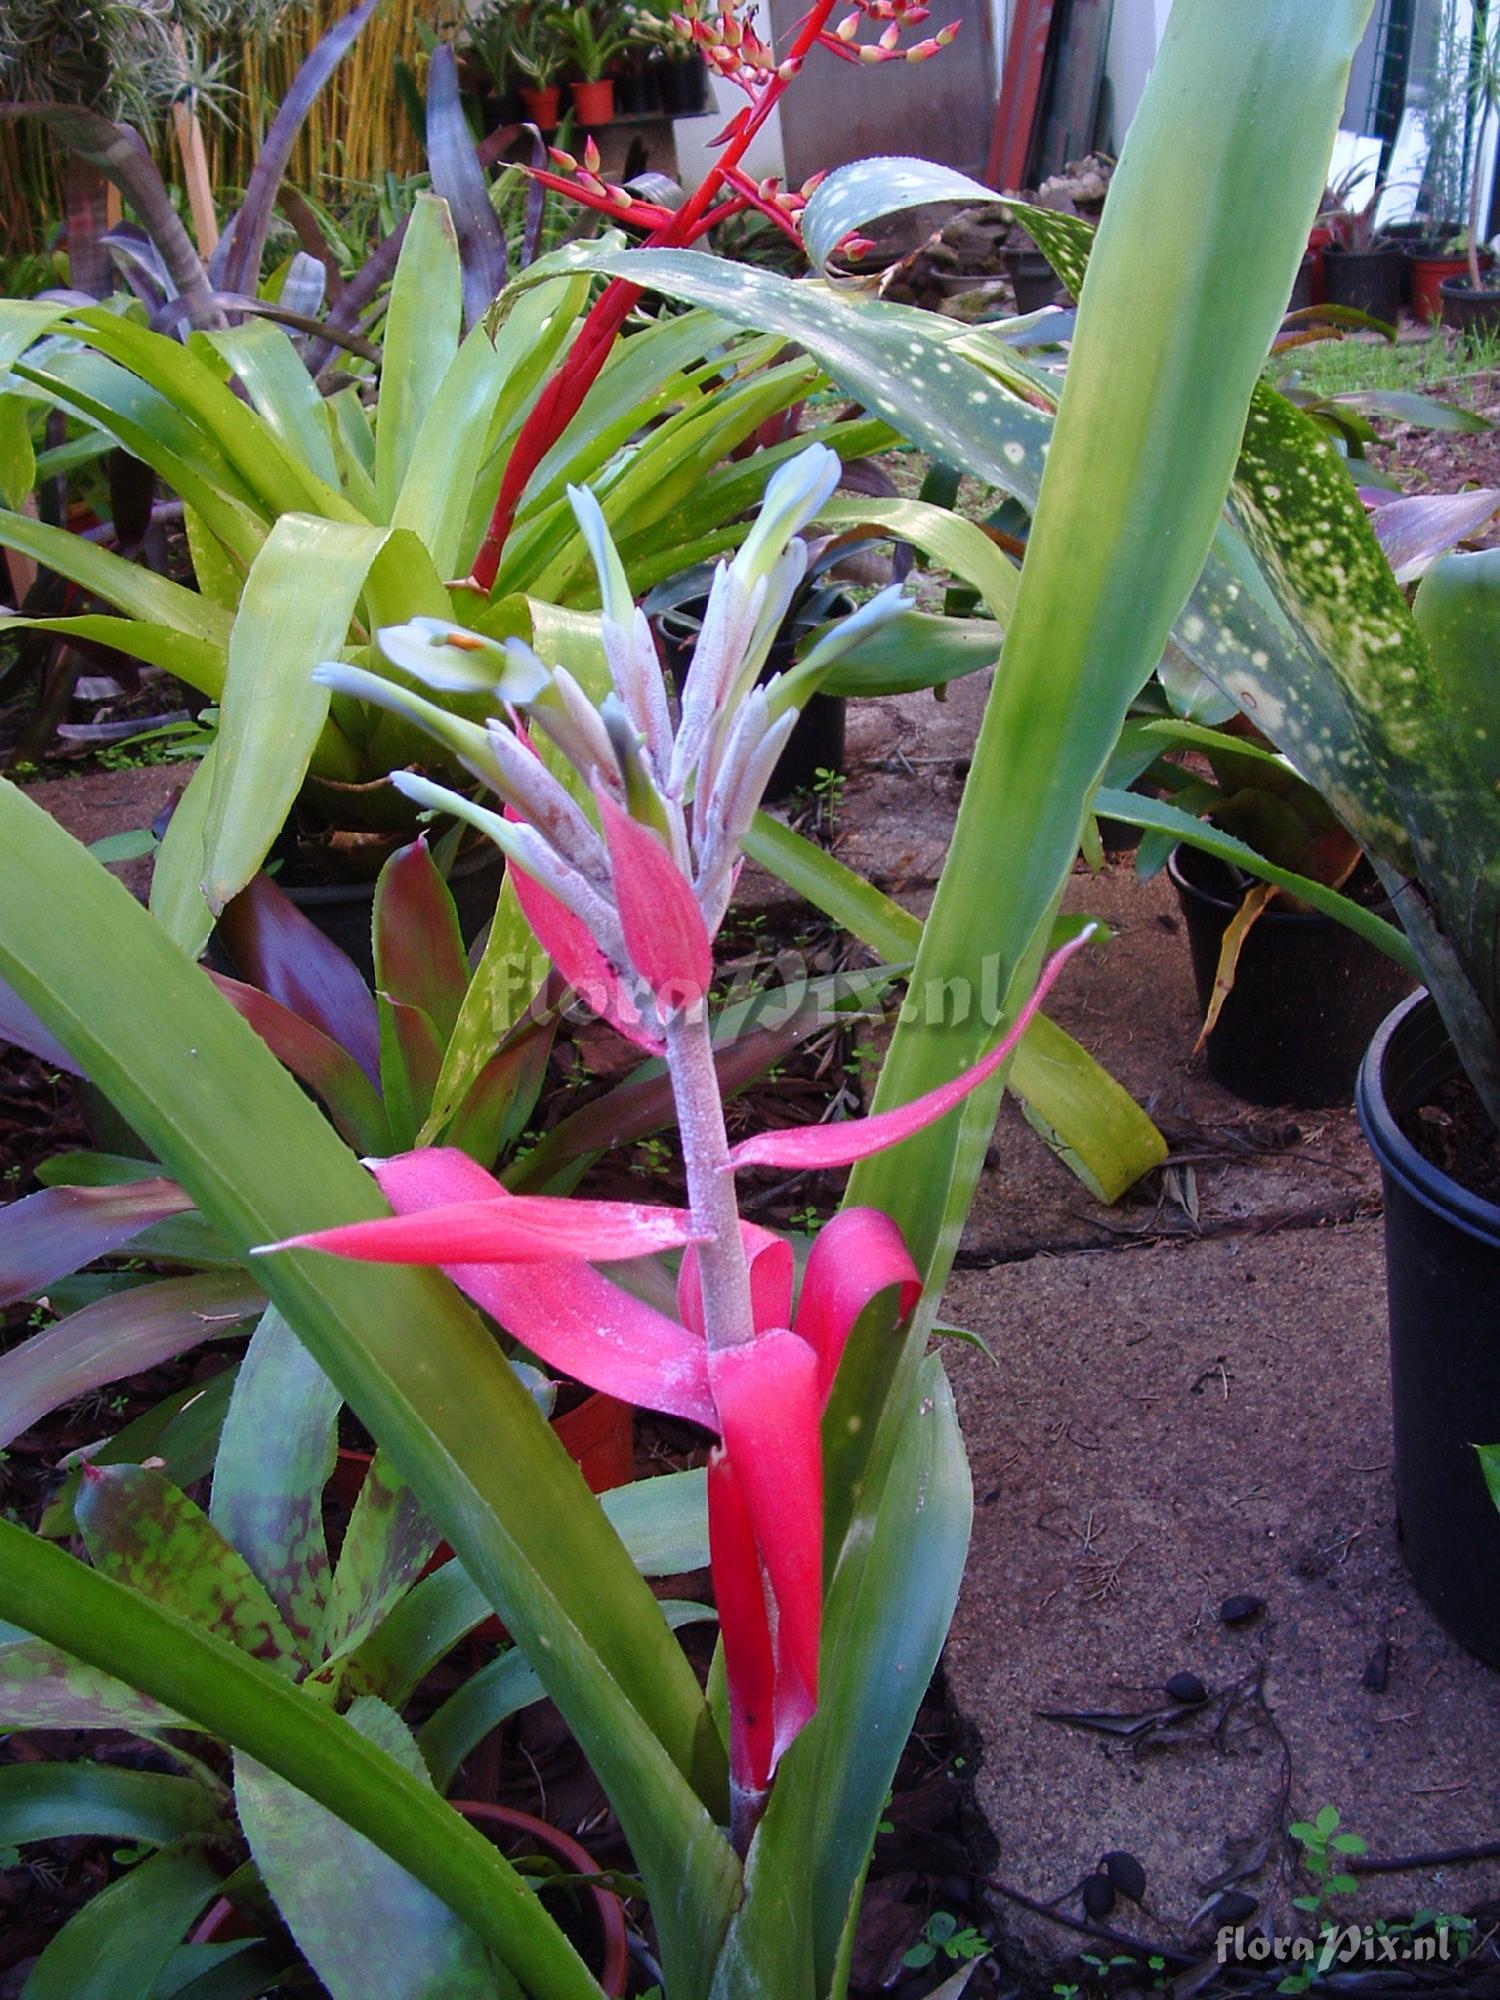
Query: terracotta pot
x=609, y=1950
x=542, y=106
x=1427, y=275
x=598, y=1435
x=595, y=101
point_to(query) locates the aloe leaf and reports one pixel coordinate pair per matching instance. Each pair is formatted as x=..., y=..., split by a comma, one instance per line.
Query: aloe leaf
x=275, y=1455
x=51, y=1233
x=137, y=592
x=218, y=1687
x=420, y=345
x=388, y=1542
x=116, y=1338
x=142, y=1532
x=118, y=1944
x=298, y=600
x=60, y=1801
x=263, y=1164
x=348, y=1905
x=281, y=392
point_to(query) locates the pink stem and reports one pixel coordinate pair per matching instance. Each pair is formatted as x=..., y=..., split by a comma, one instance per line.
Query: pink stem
x=723, y=1271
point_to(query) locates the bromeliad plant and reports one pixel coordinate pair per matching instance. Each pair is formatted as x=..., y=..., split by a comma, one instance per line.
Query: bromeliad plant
x=628, y=914
x=1235, y=133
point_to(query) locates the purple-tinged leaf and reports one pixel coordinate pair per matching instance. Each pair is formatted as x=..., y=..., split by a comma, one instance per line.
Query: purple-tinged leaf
x=569, y=1316
x=411, y=1061
x=120, y=154
x=458, y=177
x=343, y=316
x=85, y=196
x=314, y=1059
x=419, y=949
x=503, y=1228
x=816, y=1148
x=310, y=236
x=42, y=1687
x=664, y=929
x=498, y=1104
x=285, y=954
x=141, y=1531
x=117, y=1337
x=19, y=1025
x=241, y=271
x=1416, y=531
x=275, y=1455
x=49, y=1235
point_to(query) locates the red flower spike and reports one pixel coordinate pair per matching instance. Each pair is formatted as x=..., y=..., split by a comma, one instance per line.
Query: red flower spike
x=770, y=1413
x=855, y=1256
x=571, y=1318
x=749, y=1658
x=815, y=1148
x=508, y=1229
x=664, y=929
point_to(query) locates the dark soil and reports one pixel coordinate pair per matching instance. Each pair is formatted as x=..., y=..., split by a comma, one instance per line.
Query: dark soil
x=1454, y=1133
x=1427, y=461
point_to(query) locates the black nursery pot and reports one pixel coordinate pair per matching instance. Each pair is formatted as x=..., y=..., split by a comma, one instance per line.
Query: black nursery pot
x=1307, y=995
x=1033, y=281
x=1442, y=1255
x=817, y=742
x=1468, y=311
x=1368, y=280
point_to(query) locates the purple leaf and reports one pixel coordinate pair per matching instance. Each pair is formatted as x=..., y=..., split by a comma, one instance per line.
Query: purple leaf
x=317, y=1060
x=241, y=272
x=117, y=1337
x=1415, y=532
x=419, y=951
x=285, y=954
x=19, y=1025
x=49, y=1235
x=458, y=177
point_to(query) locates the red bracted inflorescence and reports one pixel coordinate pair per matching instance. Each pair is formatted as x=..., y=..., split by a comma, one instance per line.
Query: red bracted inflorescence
x=733, y=50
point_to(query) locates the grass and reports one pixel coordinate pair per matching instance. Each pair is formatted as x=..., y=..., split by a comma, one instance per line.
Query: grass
x=1337, y=367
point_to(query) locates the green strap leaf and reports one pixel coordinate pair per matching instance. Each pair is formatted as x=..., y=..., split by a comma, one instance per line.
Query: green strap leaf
x=138, y=592
x=196, y=661
x=60, y=1801
x=217, y=1687
x=119, y=1943
x=280, y=389
x=348, y=1905
x=142, y=1532
x=274, y=1459
x=263, y=1164
x=420, y=343
x=299, y=597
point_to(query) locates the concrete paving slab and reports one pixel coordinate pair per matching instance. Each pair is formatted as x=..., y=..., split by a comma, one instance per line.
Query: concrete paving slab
x=1168, y=1426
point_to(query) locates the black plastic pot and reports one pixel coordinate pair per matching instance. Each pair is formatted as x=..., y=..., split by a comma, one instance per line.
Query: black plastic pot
x=1302, y=286
x=1368, y=280
x=1033, y=281
x=1307, y=995
x=683, y=82
x=817, y=742
x=1468, y=311
x=1442, y=1256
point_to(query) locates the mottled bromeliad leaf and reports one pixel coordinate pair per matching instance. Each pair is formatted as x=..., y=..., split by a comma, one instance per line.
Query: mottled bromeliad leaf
x=388, y=1543
x=275, y=1455
x=140, y=1530
x=42, y=1687
x=349, y=1906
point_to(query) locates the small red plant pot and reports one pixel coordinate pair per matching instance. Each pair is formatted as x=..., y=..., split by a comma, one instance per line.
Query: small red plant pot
x=1427, y=275
x=595, y=102
x=543, y=106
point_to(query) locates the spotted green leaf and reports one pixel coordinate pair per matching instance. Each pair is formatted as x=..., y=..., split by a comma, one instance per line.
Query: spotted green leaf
x=275, y=1454
x=142, y=1532
x=387, y=1544
x=349, y=1906
x=42, y=1687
